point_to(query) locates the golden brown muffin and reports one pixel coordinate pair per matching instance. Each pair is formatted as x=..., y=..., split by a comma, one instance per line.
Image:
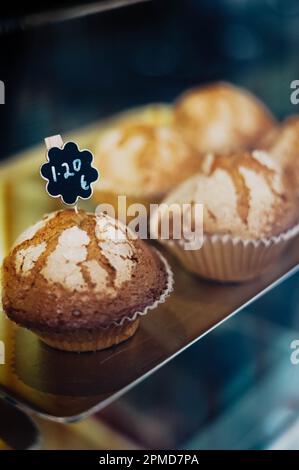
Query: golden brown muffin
x=282, y=144
x=248, y=215
x=221, y=118
x=76, y=279
x=142, y=161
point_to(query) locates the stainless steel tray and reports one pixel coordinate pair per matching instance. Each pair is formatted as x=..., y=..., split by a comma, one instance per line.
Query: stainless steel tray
x=69, y=386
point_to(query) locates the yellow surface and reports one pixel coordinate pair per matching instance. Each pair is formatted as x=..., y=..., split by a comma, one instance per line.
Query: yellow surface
x=90, y=434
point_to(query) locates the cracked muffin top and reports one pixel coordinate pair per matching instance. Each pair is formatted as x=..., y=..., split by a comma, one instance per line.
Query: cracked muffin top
x=243, y=194
x=283, y=145
x=221, y=118
x=74, y=270
x=143, y=159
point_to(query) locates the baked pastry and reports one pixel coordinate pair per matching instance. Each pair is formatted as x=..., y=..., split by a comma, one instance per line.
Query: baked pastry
x=80, y=281
x=142, y=161
x=221, y=118
x=248, y=215
x=282, y=143
x=156, y=114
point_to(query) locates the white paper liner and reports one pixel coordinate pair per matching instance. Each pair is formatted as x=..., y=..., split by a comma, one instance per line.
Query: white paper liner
x=167, y=291
x=226, y=258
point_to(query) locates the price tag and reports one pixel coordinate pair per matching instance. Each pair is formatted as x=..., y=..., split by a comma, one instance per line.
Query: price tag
x=69, y=170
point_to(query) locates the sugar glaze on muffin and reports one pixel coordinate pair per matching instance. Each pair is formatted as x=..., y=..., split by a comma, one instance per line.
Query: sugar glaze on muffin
x=282, y=143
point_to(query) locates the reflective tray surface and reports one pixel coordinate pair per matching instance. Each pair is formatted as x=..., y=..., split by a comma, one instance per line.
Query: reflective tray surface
x=68, y=386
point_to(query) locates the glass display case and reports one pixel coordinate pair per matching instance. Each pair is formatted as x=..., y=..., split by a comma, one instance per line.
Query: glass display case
x=211, y=368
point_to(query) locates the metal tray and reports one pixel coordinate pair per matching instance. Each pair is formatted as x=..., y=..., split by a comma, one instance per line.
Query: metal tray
x=69, y=386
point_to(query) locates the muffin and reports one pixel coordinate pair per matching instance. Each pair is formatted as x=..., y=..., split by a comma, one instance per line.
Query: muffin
x=155, y=114
x=248, y=216
x=81, y=282
x=221, y=118
x=283, y=145
x=142, y=161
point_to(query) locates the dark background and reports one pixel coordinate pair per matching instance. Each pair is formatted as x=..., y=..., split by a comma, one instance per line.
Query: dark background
x=66, y=74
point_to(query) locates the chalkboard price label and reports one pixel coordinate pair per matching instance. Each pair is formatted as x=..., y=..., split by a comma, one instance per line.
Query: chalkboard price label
x=69, y=172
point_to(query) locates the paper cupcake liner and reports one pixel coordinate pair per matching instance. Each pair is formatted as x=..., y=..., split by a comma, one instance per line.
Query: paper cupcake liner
x=95, y=340
x=163, y=296
x=228, y=259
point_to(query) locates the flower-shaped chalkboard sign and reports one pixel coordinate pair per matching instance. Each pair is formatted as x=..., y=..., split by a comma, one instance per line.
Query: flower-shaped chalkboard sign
x=69, y=172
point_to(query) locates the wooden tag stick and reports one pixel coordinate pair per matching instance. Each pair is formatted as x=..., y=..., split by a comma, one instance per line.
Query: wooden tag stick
x=56, y=141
